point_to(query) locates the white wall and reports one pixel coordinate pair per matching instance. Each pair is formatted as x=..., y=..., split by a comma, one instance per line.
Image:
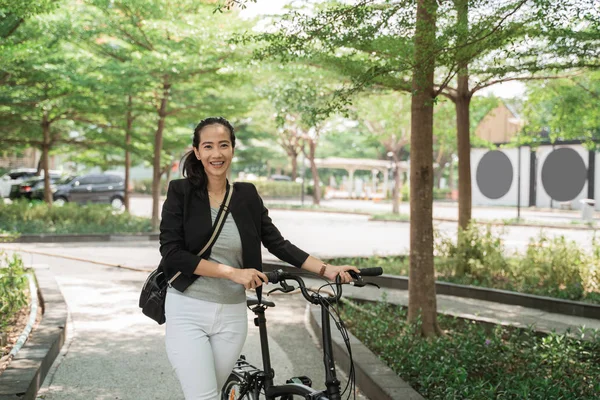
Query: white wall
x=542, y=198
x=511, y=197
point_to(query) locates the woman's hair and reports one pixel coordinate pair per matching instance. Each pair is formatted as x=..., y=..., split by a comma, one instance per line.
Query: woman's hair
x=192, y=167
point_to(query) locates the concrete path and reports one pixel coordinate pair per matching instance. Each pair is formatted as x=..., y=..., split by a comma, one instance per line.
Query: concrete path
x=115, y=352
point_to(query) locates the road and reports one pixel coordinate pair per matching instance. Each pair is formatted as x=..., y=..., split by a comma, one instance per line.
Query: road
x=330, y=234
x=142, y=206
x=343, y=234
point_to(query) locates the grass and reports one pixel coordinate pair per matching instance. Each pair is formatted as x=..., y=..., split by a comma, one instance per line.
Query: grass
x=477, y=361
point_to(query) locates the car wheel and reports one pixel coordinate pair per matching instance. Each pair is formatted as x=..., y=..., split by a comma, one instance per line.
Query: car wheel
x=117, y=203
x=60, y=201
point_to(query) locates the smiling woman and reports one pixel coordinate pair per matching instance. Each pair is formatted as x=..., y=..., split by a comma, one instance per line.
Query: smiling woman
x=205, y=304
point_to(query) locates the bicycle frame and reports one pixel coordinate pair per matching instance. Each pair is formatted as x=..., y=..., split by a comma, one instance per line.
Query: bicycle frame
x=254, y=380
x=273, y=391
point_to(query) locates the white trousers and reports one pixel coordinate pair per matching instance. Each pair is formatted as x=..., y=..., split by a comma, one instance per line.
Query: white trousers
x=203, y=342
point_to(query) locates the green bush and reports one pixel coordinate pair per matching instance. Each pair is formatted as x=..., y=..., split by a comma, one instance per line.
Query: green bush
x=551, y=267
x=13, y=283
x=441, y=194
x=478, y=362
x=478, y=251
x=279, y=189
x=405, y=192
x=144, y=186
x=555, y=267
x=24, y=217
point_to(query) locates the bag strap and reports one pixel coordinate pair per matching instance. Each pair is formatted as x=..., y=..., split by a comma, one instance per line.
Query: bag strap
x=217, y=227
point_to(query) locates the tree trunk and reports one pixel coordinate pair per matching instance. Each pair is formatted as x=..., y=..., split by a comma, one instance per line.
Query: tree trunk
x=158, y=142
x=40, y=166
x=463, y=102
x=451, y=174
x=438, y=177
x=397, y=188
x=421, y=286
x=294, y=158
x=128, y=129
x=312, y=147
x=46, y=158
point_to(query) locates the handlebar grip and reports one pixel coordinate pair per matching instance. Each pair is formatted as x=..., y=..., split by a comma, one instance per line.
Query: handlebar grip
x=273, y=276
x=372, y=271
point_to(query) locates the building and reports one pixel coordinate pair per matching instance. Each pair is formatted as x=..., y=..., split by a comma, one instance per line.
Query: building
x=562, y=174
x=500, y=125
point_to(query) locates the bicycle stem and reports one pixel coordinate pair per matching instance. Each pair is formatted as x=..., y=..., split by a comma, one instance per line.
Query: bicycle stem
x=261, y=322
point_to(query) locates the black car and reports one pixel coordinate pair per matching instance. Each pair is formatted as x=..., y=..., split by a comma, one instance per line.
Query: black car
x=36, y=187
x=92, y=188
x=30, y=188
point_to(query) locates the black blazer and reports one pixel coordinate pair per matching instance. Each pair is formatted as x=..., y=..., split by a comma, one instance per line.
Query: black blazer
x=186, y=226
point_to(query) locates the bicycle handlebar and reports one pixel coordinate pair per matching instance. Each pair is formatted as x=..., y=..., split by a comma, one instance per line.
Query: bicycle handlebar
x=280, y=275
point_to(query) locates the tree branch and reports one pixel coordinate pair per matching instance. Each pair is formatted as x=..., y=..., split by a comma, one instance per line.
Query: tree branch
x=22, y=141
x=594, y=94
x=480, y=85
x=177, y=110
x=14, y=28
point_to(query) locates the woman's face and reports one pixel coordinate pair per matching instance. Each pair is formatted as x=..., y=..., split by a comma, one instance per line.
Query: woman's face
x=215, y=150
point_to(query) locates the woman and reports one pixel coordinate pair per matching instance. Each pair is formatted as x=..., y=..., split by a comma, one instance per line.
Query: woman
x=206, y=321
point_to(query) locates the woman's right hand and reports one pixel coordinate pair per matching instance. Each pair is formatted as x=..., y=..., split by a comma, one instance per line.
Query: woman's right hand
x=249, y=277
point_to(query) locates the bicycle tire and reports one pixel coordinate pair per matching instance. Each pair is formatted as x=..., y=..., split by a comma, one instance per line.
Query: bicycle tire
x=231, y=389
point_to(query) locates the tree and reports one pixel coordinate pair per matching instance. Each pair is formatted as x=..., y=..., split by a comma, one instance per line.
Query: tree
x=386, y=116
x=13, y=13
x=421, y=285
x=45, y=88
x=179, y=50
x=567, y=109
x=300, y=119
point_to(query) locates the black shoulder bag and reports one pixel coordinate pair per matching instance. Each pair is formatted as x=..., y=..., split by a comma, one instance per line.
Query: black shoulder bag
x=154, y=291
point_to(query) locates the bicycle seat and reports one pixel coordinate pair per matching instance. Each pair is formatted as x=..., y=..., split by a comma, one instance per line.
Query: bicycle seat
x=252, y=301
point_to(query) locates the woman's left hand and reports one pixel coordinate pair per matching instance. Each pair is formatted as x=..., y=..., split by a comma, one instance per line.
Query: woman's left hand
x=332, y=271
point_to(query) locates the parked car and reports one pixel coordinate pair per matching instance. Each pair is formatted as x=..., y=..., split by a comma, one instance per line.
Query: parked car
x=16, y=176
x=92, y=188
x=277, y=177
x=35, y=191
x=25, y=188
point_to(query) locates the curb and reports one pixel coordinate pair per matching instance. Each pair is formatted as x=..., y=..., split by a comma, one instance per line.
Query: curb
x=93, y=237
x=28, y=369
x=440, y=219
x=484, y=222
x=324, y=211
x=375, y=379
x=548, y=304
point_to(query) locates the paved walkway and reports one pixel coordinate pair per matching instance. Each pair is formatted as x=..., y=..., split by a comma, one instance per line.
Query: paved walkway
x=114, y=352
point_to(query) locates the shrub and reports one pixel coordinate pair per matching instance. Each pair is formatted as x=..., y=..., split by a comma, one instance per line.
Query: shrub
x=478, y=362
x=555, y=267
x=478, y=251
x=144, y=186
x=24, y=217
x=13, y=283
x=278, y=188
x=441, y=194
x=551, y=267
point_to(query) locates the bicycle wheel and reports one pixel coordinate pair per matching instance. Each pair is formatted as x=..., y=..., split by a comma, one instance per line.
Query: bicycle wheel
x=231, y=390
